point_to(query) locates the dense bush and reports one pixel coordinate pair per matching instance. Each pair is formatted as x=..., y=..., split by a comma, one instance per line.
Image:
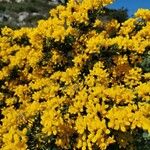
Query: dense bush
x=76, y=81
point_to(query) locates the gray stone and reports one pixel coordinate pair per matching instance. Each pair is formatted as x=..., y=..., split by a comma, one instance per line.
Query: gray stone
x=22, y=16
x=19, y=1
x=35, y=14
x=4, y=17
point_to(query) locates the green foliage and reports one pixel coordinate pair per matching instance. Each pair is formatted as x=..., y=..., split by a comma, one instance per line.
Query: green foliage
x=145, y=64
x=119, y=14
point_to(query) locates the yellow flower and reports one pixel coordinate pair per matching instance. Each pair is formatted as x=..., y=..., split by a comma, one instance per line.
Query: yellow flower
x=143, y=13
x=97, y=23
x=133, y=77
x=143, y=91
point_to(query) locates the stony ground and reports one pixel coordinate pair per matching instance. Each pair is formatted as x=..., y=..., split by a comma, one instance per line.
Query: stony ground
x=18, y=13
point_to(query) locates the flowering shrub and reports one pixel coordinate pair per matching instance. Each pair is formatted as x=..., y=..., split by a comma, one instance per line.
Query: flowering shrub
x=75, y=81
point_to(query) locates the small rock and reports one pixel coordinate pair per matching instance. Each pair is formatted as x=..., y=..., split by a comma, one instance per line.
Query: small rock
x=22, y=16
x=35, y=14
x=19, y=1
x=4, y=17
